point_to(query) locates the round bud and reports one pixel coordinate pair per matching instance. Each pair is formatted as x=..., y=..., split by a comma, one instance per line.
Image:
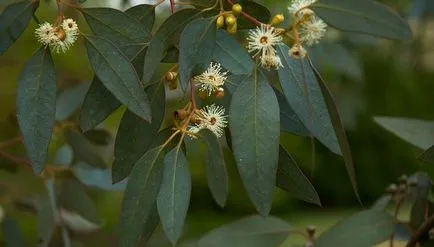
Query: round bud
x=236, y=9
x=392, y=189
x=173, y=84
x=219, y=93
x=230, y=20
x=170, y=76
x=232, y=29
x=220, y=21
x=277, y=19
x=203, y=94
x=180, y=114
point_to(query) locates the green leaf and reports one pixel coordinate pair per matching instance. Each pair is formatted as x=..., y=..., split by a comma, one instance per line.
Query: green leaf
x=252, y=231
x=121, y=29
x=99, y=136
x=289, y=120
x=215, y=167
x=304, y=95
x=151, y=224
x=36, y=106
x=195, y=48
x=291, y=179
x=255, y=129
x=69, y=100
x=364, y=16
x=415, y=131
x=45, y=220
x=139, y=197
x=64, y=156
x=363, y=229
x=144, y=13
x=83, y=149
x=340, y=131
x=12, y=234
x=73, y=198
x=135, y=136
x=13, y=21
x=174, y=196
x=427, y=155
x=98, y=178
x=260, y=12
x=229, y=53
x=117, y=74
x=381, y=203
x=166, y=35
x=98, y=104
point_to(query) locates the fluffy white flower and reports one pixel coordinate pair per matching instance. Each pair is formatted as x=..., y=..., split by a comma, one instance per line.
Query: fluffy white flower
x=262, y=39
x=313, y=30
x=297, y=51
x=299, y=7
x=271, y=61
x=45, y=33
x=212, y=79
x=70, y=26
x=213, y=118
x=192, y=130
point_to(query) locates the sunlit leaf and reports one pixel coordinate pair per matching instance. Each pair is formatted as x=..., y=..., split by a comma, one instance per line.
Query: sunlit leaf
x=255, y=129
x=363, y=16
x=36, y=106
x=174, y=196
x=139, y=197
x=252, y=231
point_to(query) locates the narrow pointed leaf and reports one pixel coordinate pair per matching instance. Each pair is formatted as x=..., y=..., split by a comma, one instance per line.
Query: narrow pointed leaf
x=363, y=229
x=252, y=231
x=427, y=155
x=98, y=104
x=364, y=16
x=166, y=35
x=69, y=100
x=139, y=197
x=83, y=149
x=36, y=106
x=291, y=179
x=195, y=48
x=340, y=131
x=255, y=129
x=289, y=121
x=45, y=220
x=13, y=21
x=305, y=97
x=97, y=178
x=12, y=234
x=135, y=136
x=117, y=74
x=215, y=167
x=174, y=196
x=144, y=13
x=229, y=53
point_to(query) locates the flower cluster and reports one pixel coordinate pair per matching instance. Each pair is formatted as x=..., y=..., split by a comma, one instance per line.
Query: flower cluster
x=261, y=41
x=212, y=80
x=311, y=28
x=210, y=117
x=60, y=38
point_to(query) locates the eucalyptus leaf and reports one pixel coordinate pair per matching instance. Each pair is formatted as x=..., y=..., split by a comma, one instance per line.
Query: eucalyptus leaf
x=254, y=123
x=229, y=53
x=364, y=16
x=12, y=234
x=144, y=13
x=196, y=48
x=69, y=100
x=117, y=74
x=382, y=203
x=260, y=12
x=46, y=223
x=135, y=136
x=36, y=106
x=100, y=137
x=140, y=196
x=252, y=231
x=166, y=35
x=363, y=229
x=291, y=179
x=83, y=149
x=98, y=178
x=215, y=167
x=174, y=196
x=427, y=155
x=289, y=121
x=13, y=21
x=414, y=131
x=64, y=156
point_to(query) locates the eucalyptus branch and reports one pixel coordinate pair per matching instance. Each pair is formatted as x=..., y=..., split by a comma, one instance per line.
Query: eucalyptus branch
x=248, y=17
x=423, y=229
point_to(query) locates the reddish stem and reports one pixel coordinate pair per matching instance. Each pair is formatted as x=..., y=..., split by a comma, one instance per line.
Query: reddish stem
x=15, y=159
x=248, y=17
x=193, y=97
x=172, y=6
x=10, y=142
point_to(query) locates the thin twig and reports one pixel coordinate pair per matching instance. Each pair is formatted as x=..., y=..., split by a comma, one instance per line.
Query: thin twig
x=10, y=142
x=248, y=17
x=16, y=159
x=423, y=229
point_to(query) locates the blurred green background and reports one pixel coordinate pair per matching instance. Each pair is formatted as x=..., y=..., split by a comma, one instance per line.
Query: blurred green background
x=370, y=77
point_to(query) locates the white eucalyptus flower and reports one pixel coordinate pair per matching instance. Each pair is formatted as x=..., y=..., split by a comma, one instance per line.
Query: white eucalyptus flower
x=312, y=31
x=192, y=130
x=262, y=39
x=271, y=61
x=300, y=7
x=213, y=118
x=297, y=51
x=70, y=26
x=45, y=33
x=212, y=79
